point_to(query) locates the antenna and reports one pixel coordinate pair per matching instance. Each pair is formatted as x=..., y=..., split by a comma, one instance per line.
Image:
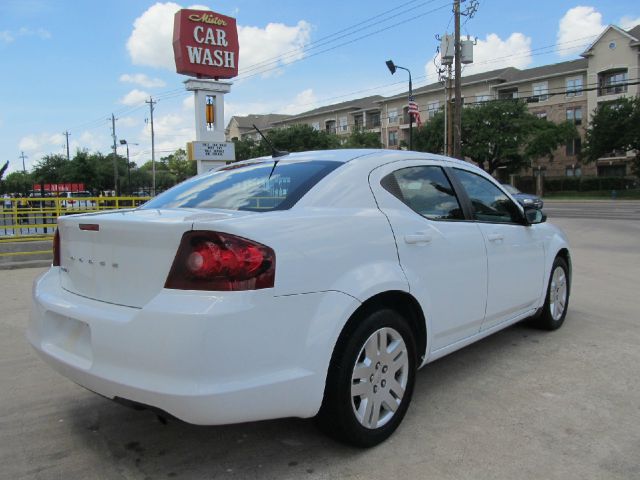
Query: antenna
x=275, y=152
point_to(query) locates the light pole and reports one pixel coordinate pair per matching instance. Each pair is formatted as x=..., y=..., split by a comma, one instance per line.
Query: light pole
x=124, y=142
x=392, y=68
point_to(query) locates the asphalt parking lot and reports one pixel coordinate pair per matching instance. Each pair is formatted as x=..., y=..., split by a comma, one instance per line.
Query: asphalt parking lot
x=522, y=404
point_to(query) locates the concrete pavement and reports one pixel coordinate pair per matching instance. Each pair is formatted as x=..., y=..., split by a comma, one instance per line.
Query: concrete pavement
x=522, y=404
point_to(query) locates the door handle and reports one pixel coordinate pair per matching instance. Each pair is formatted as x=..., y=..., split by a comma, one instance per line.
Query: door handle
x=418, y=237
x=495, y=237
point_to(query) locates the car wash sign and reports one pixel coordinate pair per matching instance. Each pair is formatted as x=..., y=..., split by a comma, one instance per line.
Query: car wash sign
x=205, y=44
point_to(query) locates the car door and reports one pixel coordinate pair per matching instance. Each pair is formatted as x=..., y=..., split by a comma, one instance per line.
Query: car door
x=515, y=251
x=442, y=254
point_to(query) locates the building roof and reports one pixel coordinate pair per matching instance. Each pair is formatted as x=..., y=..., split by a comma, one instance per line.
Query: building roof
x=261, y=121
x=357, y=104
x=549, y=70
x=635, y=32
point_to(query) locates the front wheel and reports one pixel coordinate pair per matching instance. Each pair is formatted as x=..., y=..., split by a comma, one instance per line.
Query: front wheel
x=556, y=303
x=370, y=380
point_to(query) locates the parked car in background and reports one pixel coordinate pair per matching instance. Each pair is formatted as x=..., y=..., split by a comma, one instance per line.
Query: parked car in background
x=525, y=199
x=311, y=284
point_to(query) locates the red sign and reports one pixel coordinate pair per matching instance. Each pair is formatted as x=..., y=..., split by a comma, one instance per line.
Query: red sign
x=60, y=187
x=205, y=44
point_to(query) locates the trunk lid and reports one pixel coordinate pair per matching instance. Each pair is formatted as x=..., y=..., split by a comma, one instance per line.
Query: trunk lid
x=126, y=258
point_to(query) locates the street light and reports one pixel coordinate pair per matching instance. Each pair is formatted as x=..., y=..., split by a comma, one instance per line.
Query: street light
x=392, y=68
x=124, y=142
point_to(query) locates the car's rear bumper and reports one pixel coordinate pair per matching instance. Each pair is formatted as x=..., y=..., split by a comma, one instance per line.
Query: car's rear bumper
x=206, y=358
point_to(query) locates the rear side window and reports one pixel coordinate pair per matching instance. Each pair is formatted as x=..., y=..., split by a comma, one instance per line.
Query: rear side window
x=426, y=190
x=489, y=203
x=258, y=186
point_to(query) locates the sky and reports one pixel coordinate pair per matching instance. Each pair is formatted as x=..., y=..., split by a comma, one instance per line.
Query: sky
x=69, y=65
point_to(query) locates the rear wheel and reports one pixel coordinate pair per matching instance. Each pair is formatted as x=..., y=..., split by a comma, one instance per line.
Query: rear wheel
x=370, y=380
x=556, y=303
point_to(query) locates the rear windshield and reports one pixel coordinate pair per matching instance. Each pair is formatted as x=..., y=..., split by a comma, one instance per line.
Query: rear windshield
x=259, y=186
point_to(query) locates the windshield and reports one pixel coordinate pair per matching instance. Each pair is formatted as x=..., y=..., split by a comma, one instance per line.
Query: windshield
x=259, y=186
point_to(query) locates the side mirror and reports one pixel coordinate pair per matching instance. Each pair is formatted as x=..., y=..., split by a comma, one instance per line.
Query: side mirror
x=534, y=216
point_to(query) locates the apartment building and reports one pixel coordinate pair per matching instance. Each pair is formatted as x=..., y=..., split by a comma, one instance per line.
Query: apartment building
x=242, y=127
x=571, y=90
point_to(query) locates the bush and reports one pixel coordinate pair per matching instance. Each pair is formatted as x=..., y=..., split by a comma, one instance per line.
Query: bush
x=587, y=184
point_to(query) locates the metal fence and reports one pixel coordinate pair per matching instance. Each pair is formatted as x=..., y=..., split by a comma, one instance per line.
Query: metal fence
x=24, y=219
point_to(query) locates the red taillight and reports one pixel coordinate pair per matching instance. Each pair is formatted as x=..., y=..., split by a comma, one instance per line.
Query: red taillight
x=221, y=261
x=56, y=249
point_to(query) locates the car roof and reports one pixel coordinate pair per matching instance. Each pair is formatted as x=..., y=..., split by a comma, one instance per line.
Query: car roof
x=369, y=155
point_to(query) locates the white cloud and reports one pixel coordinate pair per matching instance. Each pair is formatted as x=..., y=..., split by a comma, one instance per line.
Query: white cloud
x=261, y=45
x=305, y=100
x=628, y=22
x=577, y=30
x=150, y=41
x=134, y=97
x=40, y=32
x=493, y=53
x=142, y=80
x=6, y=36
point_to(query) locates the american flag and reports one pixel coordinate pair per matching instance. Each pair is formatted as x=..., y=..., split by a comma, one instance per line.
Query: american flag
x=414, y=111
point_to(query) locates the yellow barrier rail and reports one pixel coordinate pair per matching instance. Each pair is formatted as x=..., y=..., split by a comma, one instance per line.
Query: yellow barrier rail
x=30, y=219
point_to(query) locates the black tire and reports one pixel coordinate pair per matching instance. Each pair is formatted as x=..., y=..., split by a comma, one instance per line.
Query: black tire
x=337, y=416
x=550, y=318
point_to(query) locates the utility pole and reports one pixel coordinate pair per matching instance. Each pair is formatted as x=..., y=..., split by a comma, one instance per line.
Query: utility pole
x=451, y=115
x=66, y=134
x=153, y=146
x=457, y=113
x=115, y=155
x=23, y=156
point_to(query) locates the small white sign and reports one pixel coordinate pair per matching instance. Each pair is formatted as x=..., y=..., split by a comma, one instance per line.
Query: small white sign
x=214, y=151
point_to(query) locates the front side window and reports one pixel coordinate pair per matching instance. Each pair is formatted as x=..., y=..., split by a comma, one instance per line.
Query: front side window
x=489, y=203
x=426, y=190
x=259, y=186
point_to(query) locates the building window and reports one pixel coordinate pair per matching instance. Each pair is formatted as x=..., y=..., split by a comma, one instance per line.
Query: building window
x=542, y=115
x=373, y=120
x=610, y=83
x=574, y=147
x=482, y=98
x=541, y=91
x=508, y=94
x=358, y=121
x=393, y=139
x=343, y=124
x=330, y=126
x=574, y=87
x=574, y=115
x=612, y=170
x=432, y=109
x=393, y=115
x=315, y=126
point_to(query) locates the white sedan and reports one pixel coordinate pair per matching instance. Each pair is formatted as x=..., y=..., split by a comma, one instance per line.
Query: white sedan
x=313, y=284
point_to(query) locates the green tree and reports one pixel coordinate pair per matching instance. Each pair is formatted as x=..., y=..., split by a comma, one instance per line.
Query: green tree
x=362, y=139
x=179, y=165
x=297, y=138
x=51, y=169
x=430, y=137
x=504, y=134
x=614, y=126
x=18, y=182
x=245, y=148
